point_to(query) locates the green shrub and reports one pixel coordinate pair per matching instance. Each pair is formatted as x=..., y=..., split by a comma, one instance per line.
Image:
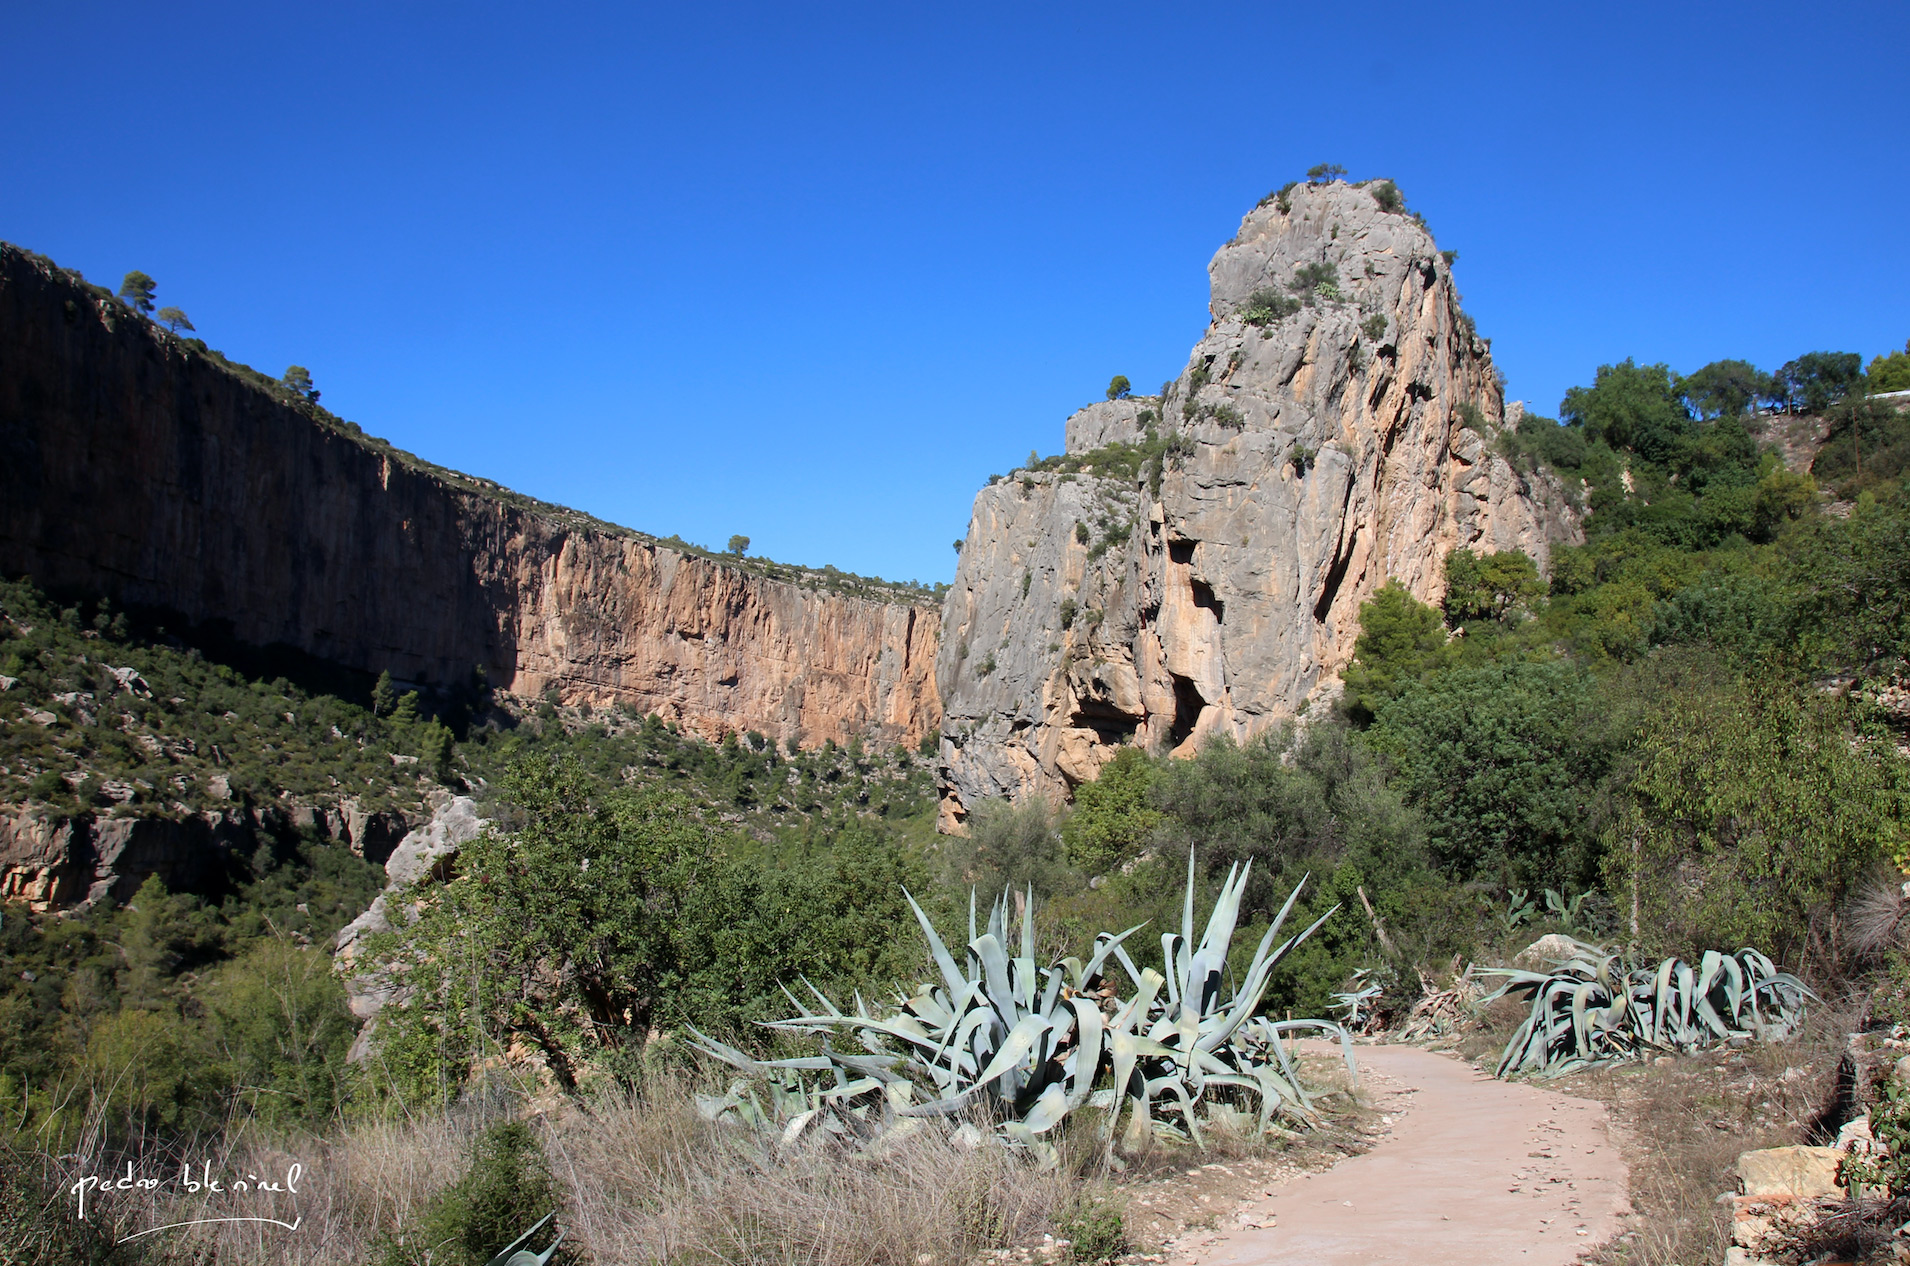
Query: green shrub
x=1112, y=820
x=1095, y=1229
x=1374, y=327
x=1386, y=194
x=1401, y=639
x=507, y=1190
x=1068, y=608
x=1264, y=307
x=1317, y=277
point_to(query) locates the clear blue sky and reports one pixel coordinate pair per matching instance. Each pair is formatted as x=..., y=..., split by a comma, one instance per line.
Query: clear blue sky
x=812, y=272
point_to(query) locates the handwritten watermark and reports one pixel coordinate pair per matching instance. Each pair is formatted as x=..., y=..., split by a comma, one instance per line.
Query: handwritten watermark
x=91, y=1191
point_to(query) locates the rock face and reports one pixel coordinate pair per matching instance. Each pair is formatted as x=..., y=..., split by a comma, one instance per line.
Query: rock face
x=134, y=465
x=428, y=852
x=53, y=862
x=1298, y=463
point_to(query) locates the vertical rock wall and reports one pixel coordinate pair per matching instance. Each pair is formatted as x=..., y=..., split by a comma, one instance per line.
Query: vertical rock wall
x=1302, y=462
x=135, y=466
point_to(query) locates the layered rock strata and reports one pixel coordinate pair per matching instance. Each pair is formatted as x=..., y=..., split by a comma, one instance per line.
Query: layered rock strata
x=1301, y=460
x=134, y=465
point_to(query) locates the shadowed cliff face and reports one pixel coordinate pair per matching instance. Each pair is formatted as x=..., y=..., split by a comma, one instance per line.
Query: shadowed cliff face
x=135, y=467
x=1308, y=458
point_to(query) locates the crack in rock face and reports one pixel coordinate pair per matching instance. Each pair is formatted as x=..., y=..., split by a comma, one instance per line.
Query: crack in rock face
x=1332, y=430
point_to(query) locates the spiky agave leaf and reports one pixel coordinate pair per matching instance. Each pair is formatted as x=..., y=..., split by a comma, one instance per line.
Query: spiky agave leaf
x=1593, y=1009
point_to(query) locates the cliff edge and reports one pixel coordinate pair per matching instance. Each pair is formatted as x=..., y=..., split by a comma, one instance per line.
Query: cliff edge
x=1195, y=563
x=146, y=468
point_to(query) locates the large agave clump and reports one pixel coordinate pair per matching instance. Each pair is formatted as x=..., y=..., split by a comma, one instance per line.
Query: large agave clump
x=1025, y=1046
x=1594, y=1008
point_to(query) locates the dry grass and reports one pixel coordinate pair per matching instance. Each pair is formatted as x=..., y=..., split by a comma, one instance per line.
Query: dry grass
x=1683, y=1123
x=647, y=1180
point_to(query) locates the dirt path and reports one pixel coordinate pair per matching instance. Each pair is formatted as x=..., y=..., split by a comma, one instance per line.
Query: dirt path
x=1473, y=1171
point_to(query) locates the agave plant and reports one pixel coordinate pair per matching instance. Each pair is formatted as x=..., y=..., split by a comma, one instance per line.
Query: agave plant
x=1594, y=1008
x=1028, y=1045
x=1200, y=1041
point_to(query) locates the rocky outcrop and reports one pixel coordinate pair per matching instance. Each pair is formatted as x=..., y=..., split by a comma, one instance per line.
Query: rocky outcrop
x=52, y=862
x=428, y=852
x=143, y=467
x=1299, y=462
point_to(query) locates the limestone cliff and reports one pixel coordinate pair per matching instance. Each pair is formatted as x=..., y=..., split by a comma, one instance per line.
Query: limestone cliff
x=1211, y=583
x=145, y=468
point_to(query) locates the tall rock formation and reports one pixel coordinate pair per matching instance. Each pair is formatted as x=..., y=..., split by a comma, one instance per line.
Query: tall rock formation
x=1207, y=578
x=142, y=467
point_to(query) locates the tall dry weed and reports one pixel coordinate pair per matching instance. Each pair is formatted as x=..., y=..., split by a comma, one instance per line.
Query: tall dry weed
x=645, y=1180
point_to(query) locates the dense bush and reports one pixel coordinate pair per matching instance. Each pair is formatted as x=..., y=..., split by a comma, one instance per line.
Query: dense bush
x=606, y=912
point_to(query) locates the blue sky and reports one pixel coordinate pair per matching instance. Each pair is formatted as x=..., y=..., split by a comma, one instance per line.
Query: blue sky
x=812, y=272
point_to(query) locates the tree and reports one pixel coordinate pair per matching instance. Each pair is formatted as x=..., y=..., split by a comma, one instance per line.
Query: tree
x=278, y=1016
x=1752, y=818
x=383, y=696
x=1892, y=372
x=1817, y=380
x=1853, y=579
x=1726, y=388
x=299, y=379
x=1490, y=586
x=1633, y=406
x=1119, y=387
x=137, y=291
x=1320, y=173
x=174, y=320
x=1401, y=638
x=1499, y=760
x=1386, y=193
x=608, y=912
x=739, y=545
x=1112, y=820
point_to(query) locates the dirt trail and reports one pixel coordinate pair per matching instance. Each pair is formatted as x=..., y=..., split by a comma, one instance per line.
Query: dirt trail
x=1473, y=1171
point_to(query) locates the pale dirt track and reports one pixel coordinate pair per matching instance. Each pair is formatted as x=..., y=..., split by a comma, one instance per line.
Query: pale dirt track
x=1473, y=1171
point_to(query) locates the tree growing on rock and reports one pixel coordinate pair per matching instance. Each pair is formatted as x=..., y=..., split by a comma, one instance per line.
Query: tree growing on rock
x=137, y=291
x=1817, y=380
x=1321, y=173
x=1490, y=586
x=299, y=379
x=173, y=319
x=1119, y=387
x=739, y=545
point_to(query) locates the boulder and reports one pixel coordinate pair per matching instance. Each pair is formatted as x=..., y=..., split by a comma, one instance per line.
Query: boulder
x=1547, y=950
x=1790, y=1173
x=431, y=848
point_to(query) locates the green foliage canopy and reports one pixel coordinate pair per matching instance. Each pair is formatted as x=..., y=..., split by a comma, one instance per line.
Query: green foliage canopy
x=1401, y=639
x=1112, y=819
x=1503, y=760
x=1754, y=813
x=1498, y=586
